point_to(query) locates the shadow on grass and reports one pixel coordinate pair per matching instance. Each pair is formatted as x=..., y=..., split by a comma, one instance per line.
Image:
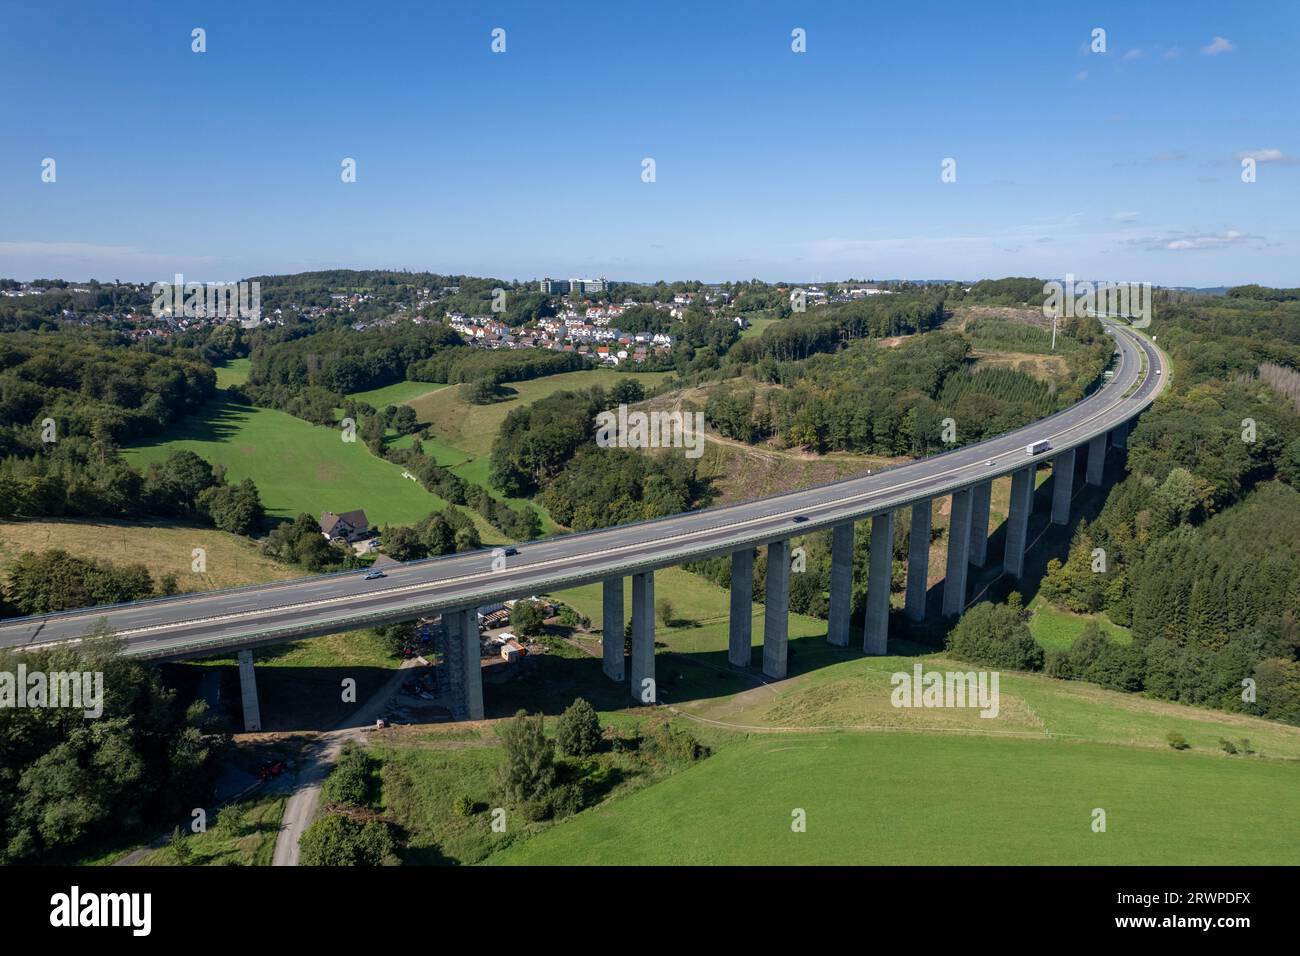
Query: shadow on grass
x=311, y=698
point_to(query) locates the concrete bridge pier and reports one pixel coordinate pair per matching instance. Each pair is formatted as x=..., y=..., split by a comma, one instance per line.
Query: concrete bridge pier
x=643, y=638
x=462, y=658
x=1022, y=503
x=1062, y=486
x=954, y=583
x=918, y=560
x=1096, y=459
x=248, y=693
x=875, y=640
x=776, y=610
x=841, y=603
x=981, y=495
x=1119, y=435
x=611, y=638
x=740, y=639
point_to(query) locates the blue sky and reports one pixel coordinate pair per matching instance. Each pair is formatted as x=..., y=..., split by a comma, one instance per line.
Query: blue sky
x=1122, y=165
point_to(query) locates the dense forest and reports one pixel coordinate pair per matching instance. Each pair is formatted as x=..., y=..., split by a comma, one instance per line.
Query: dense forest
x=68, y=400
x=869, y=398
x=827, y=328
x=1195, y=549
x=340, y=360
x=66, y=780
x=549, y=447
x=92, y=385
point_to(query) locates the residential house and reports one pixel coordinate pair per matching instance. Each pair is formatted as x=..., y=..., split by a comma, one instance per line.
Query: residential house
x=349, y=526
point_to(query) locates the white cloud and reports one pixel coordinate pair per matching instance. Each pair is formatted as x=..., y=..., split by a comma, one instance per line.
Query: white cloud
x=1218, y=45
x=1267, y=156
x=1133, y=54
x=1211, y=241
x=87, y=260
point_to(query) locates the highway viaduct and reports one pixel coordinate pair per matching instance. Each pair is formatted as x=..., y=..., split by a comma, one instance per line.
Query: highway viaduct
x=238, y=619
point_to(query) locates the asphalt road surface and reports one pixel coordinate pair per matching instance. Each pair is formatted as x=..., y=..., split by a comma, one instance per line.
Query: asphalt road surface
x=193, y=625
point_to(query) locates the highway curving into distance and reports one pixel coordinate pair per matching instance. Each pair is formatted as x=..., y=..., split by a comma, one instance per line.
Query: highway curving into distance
x=194, y=625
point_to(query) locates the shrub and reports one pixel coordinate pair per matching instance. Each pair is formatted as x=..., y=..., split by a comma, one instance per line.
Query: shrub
x=567, y=800
x=578, y=732
x=1118, y=667
x=180, y=846
x=623, y=744
x=665, y=609
x=463, y=806
x=674, y=744
x=1087, y=647
x=1057, y=664
x=351, y=779
x=1177, y=740
x=335, y=839
x=995, y=635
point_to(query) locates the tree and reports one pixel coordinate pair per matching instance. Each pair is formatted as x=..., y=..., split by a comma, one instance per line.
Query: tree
x=234, y=508
x=56, y=581
x=527, y=775
x=665, y=609
x=67, y=779
x=578, y=732
x=1288, y=464
x=1278, y=689
x=183, y=476
x=995, y=634
x=528, y=618
x=404, y=420
x=403, y=544
x=335, y=839
x=1118, y=667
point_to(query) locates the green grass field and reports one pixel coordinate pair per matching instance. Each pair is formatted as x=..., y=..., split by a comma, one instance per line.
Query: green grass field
x=931, y=800
x=230, y=560
x=878, y=783
x=245, y=837
x=471, y=429
x=461, y=434
x=233, y=372
x=302, y=467
x=296, y=466
x=1058, y=630
x=889, y=785
x=756, y=327
x=400, y=393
